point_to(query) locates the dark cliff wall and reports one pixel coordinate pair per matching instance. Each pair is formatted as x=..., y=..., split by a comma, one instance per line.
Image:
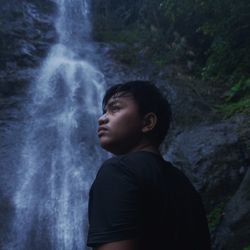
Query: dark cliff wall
x=26, y=33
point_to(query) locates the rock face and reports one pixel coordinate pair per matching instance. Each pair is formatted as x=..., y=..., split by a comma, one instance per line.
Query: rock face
x=234, y=230
x=213, y=152
x=215, y=157
x=26, y=32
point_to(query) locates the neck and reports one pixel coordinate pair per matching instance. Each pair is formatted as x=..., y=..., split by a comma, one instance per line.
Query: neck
x=146, y=147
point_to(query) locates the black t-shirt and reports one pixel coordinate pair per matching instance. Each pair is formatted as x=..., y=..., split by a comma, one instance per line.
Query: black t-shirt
x=140, y=196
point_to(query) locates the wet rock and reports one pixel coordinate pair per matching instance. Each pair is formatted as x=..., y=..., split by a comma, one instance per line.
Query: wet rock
x=188, y=106
x=213, y=156
x=234, y=230
x=26, y=31
x=6, y=212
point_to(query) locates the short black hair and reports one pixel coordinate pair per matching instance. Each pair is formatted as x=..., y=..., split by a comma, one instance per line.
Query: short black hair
x=149, y=99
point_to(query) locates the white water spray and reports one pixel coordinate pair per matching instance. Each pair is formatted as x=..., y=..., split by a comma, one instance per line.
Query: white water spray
x=59, y=154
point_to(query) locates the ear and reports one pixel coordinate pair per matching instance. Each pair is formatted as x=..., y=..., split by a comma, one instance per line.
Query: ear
x=149, y=122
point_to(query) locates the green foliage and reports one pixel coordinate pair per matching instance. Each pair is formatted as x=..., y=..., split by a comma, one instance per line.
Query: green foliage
x=215, y=216
x=212, y=35
x=242, y=87
x=241, y=106
x=246, y=248
x=237, y=98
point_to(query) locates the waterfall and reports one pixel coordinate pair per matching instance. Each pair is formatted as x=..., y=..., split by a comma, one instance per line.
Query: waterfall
x=59, y=154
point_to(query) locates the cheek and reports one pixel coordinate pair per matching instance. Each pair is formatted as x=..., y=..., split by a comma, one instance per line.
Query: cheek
x=129, y=125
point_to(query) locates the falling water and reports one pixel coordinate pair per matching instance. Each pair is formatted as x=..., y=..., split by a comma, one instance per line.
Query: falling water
x=59, y=155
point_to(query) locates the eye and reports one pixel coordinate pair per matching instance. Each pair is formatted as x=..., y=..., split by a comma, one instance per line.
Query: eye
x=114, y=108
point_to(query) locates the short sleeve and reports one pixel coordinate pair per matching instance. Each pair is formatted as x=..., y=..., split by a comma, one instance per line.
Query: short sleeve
x=113, y=205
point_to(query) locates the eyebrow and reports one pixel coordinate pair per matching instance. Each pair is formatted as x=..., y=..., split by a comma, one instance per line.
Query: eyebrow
x=111, y=103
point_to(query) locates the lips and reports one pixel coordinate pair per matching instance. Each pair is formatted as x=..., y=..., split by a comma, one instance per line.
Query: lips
x=101, y=131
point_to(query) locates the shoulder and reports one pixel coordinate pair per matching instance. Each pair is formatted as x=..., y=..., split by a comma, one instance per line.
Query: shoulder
x=131, y=166
x=115, y=169
x=115, y=164
x=124, y=163
x=141, y=167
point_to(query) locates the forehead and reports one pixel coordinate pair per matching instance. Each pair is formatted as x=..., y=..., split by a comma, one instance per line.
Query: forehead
x=124, y=99
x=121, y=97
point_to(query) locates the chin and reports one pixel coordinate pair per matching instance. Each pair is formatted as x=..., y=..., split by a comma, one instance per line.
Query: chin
x=108, y=148
x=113, y=149
x=106, y=145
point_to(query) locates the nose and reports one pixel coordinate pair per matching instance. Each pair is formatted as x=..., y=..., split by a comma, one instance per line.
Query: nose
x=103, y=119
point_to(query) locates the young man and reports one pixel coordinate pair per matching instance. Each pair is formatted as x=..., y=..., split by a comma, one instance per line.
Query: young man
x=138, y=201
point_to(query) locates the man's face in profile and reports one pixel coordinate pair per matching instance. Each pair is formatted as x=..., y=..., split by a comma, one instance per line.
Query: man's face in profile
x=120, y=125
